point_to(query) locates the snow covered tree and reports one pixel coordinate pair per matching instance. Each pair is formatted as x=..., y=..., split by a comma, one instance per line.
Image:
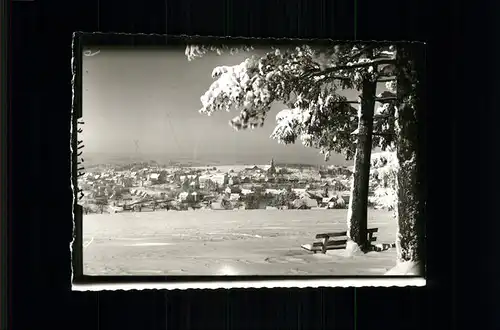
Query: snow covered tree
x=365, y=65
x=403, y=170
x=410, y=177
x=384, y=169
x=307, y=81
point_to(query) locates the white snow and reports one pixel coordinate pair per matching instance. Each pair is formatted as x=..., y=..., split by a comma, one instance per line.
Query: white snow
x=246, y=191
x=256, y=242
x=391, y=86
x=229, y=90
x=352, y=249
x=349, y=208
x=89, y=53
x=149, y=244
x=307, y=246
x=384, y=167
x=407, y=268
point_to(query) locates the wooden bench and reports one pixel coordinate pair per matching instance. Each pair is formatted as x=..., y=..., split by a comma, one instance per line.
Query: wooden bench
x=339, y=241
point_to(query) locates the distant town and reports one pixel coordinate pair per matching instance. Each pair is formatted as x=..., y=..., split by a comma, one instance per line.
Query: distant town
x=149, y=186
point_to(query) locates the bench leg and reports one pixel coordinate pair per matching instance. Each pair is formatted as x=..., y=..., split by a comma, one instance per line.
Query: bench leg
x=370, y=237
x=323, y=248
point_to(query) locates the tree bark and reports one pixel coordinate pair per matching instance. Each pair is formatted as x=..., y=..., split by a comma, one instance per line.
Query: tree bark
x=357, y=215
x=410, y=139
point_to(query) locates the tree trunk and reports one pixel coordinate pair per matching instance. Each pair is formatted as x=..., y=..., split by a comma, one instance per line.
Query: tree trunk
x=410, y=141
x=357, y=215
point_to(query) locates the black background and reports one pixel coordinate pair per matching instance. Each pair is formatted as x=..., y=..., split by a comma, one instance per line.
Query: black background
x=461, y=97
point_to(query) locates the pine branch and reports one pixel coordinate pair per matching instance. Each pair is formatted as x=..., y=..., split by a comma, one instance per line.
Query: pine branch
x=373, y=133
x=359, y=65
x=385, y=55
x=326, y=72
x=383, y=134
x=329, y=78
x=338, y=78
x=360, y=52
x=386, y=79
x=385, y=99
x=385, y=115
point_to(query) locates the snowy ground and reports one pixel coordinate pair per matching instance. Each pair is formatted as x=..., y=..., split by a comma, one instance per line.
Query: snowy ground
x=246, y=242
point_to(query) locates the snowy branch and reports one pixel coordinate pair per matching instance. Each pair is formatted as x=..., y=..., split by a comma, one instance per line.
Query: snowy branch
x=317, y=115
x=383, y=115
x=337, y=78
x=384, y=166
x=366, y=64
x=385, y=99
x=360, y=52
x=383, y=133
x=356, y=132
x=386, y=79
x=194, y=51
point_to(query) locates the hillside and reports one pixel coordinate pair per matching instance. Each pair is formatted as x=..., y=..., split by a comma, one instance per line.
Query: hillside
x=92, y=159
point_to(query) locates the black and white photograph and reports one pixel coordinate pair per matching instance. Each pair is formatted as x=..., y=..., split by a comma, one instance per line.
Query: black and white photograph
x=253, y=159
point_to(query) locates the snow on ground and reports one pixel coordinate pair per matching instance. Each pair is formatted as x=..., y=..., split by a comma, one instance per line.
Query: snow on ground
x=244, y=242
x=406, y=268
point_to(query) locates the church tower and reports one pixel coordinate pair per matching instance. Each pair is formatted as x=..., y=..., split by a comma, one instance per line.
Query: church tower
x=272, y=169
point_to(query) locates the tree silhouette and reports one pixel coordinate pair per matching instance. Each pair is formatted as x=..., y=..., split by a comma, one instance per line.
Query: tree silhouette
x=410, y=142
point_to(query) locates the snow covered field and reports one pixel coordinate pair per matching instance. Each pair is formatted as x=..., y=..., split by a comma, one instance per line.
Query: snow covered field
x=245, y=242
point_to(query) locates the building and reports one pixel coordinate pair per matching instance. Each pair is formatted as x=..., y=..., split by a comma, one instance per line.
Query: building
x=275, y=191
x=233, y=180
x=234, y=197
x=183, y=196
x=245, y=179
x=246, y=191
x=220, y=178
x=153, y=177
x=271, y=170
x=163, y=176
x=305, y=202
x=203, y=180
x=338, y=186
x=126, y=182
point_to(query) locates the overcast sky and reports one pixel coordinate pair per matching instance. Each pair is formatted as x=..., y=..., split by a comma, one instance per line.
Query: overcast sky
x=154, y=96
